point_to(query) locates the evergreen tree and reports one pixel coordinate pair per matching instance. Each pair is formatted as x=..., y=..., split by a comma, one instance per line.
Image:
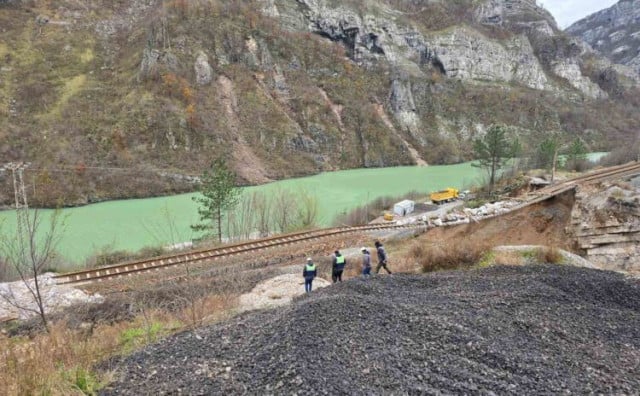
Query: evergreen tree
x=576, y=155
x=219, y=194
x=493, y=151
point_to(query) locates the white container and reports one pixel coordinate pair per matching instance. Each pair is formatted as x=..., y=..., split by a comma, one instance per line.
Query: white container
x=403, y=208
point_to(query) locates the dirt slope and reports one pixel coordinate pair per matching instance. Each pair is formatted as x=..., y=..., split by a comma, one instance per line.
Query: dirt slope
x=508, y=330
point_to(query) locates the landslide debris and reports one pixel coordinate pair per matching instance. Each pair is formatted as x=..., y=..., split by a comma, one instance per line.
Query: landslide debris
x=539, y=329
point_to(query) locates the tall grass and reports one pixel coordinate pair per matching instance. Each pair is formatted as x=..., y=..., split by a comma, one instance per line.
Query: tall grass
x=63, y=361
x=449, y=255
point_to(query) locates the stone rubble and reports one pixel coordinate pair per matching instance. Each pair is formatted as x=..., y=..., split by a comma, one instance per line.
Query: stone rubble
x=17, y=302
x=455, y=216
x=277, y=291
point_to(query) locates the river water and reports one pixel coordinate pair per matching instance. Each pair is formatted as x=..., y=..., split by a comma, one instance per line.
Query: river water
x=137, y=223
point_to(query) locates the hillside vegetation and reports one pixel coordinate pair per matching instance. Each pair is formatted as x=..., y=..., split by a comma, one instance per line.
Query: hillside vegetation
x=115, y=99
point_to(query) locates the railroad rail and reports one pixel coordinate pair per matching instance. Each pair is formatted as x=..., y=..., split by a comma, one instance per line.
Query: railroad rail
x=162, y=262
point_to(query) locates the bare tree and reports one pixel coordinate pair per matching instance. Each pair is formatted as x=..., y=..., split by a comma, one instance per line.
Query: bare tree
x=307, y=205
x=28, y=253
x=264, y=214
x=241, y=221
x=284, y=210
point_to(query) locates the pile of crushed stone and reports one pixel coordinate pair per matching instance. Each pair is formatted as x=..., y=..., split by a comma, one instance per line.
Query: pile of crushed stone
x=518, y=330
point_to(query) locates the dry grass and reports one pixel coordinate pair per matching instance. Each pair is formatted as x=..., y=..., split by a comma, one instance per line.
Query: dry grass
x=62, y=362
x=507, y=258
x=58, y=363
x=448, y=255
x=549, y=255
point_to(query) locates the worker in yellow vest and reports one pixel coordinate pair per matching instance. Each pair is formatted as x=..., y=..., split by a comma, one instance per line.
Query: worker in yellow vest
x=309, y=274
x=339, y=263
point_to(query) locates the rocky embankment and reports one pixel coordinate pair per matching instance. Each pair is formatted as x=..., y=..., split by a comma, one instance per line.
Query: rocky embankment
x=508, y=330
x=606, y=227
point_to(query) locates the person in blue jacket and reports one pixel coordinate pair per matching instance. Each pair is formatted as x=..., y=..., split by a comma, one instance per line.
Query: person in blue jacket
x=309, y=274
x=338, y=266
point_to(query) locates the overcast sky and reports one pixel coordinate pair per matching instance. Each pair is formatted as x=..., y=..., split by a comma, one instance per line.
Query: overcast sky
x=567, y=12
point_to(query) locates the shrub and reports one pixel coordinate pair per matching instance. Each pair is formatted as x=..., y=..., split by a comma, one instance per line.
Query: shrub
x=549, y=255
x=134, y=337
x=83, y=380
x=621, y=155
x=448, y=256
x=109, y=257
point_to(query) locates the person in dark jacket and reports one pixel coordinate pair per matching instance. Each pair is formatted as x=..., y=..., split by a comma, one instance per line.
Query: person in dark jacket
x=339, y=263
x=309, y=274
x=366, y=262
x=382, y=257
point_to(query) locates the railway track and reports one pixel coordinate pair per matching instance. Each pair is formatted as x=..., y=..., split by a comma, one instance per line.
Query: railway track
x=162, y=262
x=614, y=172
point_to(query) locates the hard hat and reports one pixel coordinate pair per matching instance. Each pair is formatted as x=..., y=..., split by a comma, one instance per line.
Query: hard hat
x=364, y=249
x=309, y=259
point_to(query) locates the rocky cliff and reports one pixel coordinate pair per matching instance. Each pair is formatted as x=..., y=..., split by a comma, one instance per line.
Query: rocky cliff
x=126, y=99
x=615, y=32
x=606, y=226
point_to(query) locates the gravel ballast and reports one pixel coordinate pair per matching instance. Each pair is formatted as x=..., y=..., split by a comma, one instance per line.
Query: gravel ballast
x=505, y=330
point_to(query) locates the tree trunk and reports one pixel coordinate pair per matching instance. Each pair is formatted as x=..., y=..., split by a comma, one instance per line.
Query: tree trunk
x=39, y=301
x=219, y=215
x=553, y=166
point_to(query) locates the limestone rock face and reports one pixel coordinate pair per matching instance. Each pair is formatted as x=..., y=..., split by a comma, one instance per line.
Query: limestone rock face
x=203, y=70
x=615, y=32
x=467, y=55
x=154, y=60
x=514, y=12
x=570, y=70
x=461, y=52
x=606, y=225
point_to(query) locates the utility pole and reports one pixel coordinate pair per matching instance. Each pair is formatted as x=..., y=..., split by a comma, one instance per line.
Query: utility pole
x=22, y=207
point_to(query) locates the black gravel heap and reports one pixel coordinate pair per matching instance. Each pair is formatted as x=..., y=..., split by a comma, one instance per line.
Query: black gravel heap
x=505, y=330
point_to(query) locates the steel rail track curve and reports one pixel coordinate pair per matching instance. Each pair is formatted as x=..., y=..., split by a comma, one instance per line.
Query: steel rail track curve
x=157, y=263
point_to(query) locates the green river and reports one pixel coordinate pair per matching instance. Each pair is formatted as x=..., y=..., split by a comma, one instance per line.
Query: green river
x=136, y=223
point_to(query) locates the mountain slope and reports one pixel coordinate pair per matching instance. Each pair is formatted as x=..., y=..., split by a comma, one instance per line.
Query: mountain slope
x=154, y=89
x=615, y=32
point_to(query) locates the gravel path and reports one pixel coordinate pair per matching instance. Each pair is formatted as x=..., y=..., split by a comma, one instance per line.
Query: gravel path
x=504, y=330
